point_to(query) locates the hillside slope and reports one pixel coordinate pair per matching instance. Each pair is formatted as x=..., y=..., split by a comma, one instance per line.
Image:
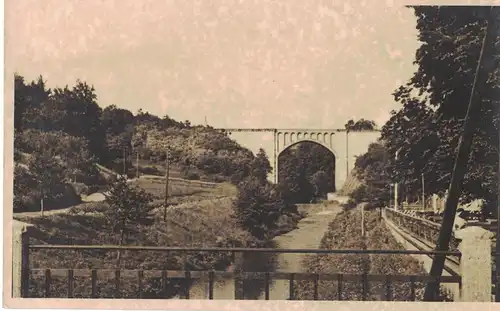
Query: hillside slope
x=351, y=184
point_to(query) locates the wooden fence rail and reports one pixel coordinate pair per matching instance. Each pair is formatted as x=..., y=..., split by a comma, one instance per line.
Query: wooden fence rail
x=210, y=277
x=115, y=277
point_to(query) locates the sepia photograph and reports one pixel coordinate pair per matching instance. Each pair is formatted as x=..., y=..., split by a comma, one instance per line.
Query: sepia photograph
x=253, y=150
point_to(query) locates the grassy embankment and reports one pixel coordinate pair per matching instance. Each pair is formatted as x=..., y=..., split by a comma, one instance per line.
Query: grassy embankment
x=199, y=217
x=197, y=223
x=345, y=233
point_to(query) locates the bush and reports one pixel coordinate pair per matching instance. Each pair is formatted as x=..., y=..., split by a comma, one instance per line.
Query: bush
x=258, y=208
x=192, y=176
x=81, y=189
x=216, y=178
x=149, y=170
x=351, y=203
x=375, y=197
x=344, y=233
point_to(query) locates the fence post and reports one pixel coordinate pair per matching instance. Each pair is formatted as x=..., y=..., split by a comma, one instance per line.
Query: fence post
x=238, y=269
x=363, y=219
x=20, y=258
x=475, y=264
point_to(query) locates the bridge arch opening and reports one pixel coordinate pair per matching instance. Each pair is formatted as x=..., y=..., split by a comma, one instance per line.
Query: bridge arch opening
x=307, y=169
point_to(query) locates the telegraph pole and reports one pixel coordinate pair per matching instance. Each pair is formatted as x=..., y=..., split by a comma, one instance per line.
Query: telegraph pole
x=347, y=153
x=137, y=166
x=396, y=185
x=125, y=161
x=459, y=169
x=423, y=192
x=167, y=169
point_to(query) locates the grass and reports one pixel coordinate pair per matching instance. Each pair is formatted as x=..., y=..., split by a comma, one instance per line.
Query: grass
x=179, y=193
x=345, y=233
x=201, y=218
x=204, y=223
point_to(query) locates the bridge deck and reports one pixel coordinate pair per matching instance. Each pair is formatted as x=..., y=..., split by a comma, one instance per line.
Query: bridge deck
x=287, y=130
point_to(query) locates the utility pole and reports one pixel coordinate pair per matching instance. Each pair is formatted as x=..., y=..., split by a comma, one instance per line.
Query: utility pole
x=41, y=203
x=396, y=185
x=137, y=166
x=363, y=220
x=423, y=192
x=347, y=153
x=167, y=169
x=125, y=161
x=459, y=169
x=390, y=195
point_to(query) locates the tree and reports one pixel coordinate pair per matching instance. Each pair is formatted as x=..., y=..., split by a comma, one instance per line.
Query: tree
x=427, y=127
x=294, y=180
x=297, y=167
x=127, y=208
x=24, y=183
x=371, y=169
x=116, y=120
x=72, y=151
x=260, y=166
x=83, y=115
x=360, y=125
x=48, y=173
x=28, y=100
x=320, y=183
x=258, y=207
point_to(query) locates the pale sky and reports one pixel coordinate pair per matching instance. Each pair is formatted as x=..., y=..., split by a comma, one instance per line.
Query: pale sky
x=260, y=63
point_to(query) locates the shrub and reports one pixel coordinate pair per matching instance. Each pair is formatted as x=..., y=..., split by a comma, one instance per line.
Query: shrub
x=351, y=203
x=150, y=170
x=258, y=207
x=192, y=176
x=81, y=189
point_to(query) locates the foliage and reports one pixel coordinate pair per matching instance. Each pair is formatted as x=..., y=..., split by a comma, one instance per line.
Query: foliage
x=344, y=232
x=425, y=131
x=258, y=207
x=48, y=175
x=127, y=206
x=27, y=102
x=192, y=176
x=372, y=170
x=72, y=151
x=79, y=115
x=23, y=183
x=69, y=123
x=260, y=166
x=261, y=207
x=209, y=225
x=360, y=125
x=319, y=182
x=298, y=172
x=119, y=131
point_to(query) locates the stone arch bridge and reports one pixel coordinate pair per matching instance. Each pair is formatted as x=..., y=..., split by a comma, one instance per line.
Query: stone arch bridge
x=344, y=145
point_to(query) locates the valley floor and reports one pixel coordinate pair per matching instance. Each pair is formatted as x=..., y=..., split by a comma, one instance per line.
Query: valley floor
x=308, y=235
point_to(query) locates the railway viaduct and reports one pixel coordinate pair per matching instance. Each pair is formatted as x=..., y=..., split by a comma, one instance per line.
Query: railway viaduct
x=344, y=145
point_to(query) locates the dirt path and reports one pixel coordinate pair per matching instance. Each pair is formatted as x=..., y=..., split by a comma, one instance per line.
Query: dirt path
x=308, y=235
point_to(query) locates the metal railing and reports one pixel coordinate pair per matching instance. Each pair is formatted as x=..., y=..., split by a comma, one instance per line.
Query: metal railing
x=114, y=276
x=419, y=227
